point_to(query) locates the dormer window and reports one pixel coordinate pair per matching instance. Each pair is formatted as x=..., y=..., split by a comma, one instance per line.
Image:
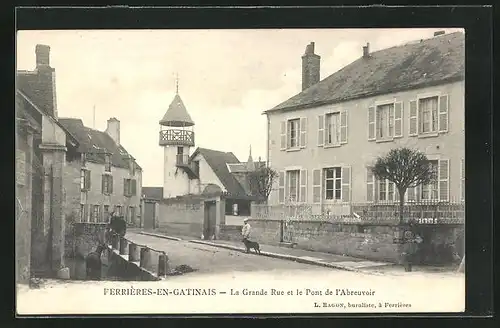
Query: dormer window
x=107, y=163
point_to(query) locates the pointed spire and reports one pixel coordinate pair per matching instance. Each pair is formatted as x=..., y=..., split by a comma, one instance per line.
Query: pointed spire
x=250, y=163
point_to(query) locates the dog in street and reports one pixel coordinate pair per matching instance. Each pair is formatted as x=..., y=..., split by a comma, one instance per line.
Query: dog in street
x=251, y=245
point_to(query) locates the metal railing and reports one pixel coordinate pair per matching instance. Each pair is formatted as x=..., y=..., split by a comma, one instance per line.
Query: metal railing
x=177, y=137
x=141, y=255
x=423, y=211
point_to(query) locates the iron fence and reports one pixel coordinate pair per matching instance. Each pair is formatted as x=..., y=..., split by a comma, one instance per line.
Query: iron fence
x=429, y=212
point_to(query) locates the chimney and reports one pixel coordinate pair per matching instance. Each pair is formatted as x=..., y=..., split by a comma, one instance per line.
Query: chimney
x=113, y=129
x=310, y=67
x=366, y=50
x=437, y=33
x=42, y=53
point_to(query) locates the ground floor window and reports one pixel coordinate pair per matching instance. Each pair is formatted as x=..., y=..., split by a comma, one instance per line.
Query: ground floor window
x=333, y=183
x=293, y=185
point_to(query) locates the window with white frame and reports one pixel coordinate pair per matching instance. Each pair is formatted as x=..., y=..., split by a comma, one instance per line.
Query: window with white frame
x=333, y=183
x=293, y=188
x=95, y=213
x=293, y=133
x=430, y=191
x=385, y=121
x=387, y=191
x=428, y=113
x=332, y=128
x=84, y=180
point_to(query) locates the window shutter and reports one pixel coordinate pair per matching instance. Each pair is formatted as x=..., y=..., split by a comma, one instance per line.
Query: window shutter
x=316, y=185
x=413, y=118
x=371, y=123
x=125, y=189
x=398, y=119
x=134, y=187
x=287, y=187
x=321, y=130
x=87, y=180
x=103, y=182
x=444, y=172
x=283, y=135
x=110, y=184
x=346, y=183
x=443, y=113
x=462, y=179
x=281, y=187
x=303, y=132
x=343, y=127
x=303, y=186
x=370, y=185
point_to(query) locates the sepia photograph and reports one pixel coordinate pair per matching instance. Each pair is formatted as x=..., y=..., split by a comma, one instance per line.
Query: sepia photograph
x=233, y=171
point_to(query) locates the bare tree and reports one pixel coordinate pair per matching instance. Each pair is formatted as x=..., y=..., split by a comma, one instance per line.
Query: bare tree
x=407, y=168
x=261, y=181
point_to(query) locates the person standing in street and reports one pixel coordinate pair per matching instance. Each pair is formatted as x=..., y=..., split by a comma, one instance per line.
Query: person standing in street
x=245, y=231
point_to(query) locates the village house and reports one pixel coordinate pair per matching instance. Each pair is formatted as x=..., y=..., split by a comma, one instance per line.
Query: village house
x=41, y=146
x=323, y=140
x=100, y=175
x=213, y=177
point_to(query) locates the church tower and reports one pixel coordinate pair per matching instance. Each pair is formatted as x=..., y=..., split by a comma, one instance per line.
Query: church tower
x=176, y=138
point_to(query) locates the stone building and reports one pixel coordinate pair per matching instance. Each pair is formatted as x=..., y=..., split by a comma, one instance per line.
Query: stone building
x=100, y=175
x=324, y=139
x=41, y=145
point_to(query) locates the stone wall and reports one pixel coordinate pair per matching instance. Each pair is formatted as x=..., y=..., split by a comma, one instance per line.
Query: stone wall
x=230, y=232
x=23, y=204
x=183, y=216
x=363, y=240
x=84, y=238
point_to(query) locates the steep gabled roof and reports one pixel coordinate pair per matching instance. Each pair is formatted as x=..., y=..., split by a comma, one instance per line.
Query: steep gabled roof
x=418, y=64
x=218, y=160
x=177, y=114
x=98, y=142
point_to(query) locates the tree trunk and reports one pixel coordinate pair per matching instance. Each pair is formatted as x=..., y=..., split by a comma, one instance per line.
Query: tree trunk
x=401, y=204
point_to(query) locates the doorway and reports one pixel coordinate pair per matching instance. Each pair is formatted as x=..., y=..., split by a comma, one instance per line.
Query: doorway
x=210, y=220
x=149, y=215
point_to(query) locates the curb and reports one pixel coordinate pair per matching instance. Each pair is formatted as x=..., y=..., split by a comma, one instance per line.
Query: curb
x=158, y=235
x=291, y=258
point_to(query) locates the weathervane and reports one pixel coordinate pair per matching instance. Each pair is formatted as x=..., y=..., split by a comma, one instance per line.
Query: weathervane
x=177, y=83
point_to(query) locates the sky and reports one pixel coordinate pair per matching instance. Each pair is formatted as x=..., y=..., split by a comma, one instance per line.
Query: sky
x=227, y=78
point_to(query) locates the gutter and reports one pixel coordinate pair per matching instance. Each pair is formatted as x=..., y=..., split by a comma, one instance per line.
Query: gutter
x=365, y=95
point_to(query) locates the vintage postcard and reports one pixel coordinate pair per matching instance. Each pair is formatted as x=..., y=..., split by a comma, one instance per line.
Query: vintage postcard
x=240, y=171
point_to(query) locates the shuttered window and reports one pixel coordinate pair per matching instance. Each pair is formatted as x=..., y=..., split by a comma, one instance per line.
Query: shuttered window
x=443, y=113
x=444, y=180
x=321, y=130
x=413, y=117
x=370, y=184
x=303, y=186
x=371, y=123
x=398, y=119
x=303, y=132
x=281, y=187
x=316, y=184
